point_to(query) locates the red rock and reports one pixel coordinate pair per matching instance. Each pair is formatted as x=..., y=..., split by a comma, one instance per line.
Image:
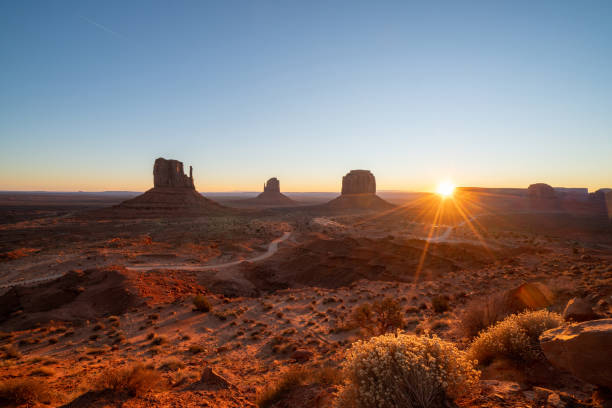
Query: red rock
x=584, y=349
x=579, y=310
x=359, y=182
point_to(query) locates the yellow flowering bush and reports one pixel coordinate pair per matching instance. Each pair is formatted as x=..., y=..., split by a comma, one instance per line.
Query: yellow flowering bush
x=515, y=337
x=404, y=370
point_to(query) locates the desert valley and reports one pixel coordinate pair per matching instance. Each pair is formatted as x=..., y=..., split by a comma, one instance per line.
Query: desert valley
x=170, y=298
x=305, y=204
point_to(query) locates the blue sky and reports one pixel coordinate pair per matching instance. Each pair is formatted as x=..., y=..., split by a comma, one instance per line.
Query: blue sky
x=484, y=93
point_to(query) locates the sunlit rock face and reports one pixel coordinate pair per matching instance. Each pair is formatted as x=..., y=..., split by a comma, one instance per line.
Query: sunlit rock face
x=358, y=182
x=272, y=185
x=169, y=173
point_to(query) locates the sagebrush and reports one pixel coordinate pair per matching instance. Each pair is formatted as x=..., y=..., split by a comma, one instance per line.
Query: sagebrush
x=515, y=337
x=404, y=370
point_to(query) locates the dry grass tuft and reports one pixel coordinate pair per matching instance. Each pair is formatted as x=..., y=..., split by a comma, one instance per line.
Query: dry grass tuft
x=482, y=313
x=24, y=391
x=293, y=378
x=134, y=381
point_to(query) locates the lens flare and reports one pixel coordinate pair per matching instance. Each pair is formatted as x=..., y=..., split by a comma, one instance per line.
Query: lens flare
x=445, y=189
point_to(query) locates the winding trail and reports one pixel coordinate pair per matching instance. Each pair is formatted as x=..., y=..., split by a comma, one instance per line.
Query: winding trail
x=272, y=248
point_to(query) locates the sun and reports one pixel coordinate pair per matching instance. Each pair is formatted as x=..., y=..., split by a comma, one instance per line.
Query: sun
x=445, y=189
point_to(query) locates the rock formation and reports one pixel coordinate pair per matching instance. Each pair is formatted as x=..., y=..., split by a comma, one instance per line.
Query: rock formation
x=173, y=193
x=359, y=182
x=271, y=196
x=272, y=186
x=359, y=192
x=539, y=191
x=542, y=197
x=169, y=173
x=582, y=349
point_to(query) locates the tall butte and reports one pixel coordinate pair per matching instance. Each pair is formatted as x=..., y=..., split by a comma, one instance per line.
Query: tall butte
x=359, y=192
x=173, y=193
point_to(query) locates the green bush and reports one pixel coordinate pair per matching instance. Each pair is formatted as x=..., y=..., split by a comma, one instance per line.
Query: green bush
x=515, y=337
x=403, y=370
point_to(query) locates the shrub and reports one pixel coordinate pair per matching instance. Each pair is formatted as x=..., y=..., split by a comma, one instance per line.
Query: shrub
x=379, y=317
x=404, y=370
x=440, y=304
x=293, y=379
x=201, y=304
x=480, y=314
x=10, y=352
x=135, y=381
x=24, y=391
x=515, y=337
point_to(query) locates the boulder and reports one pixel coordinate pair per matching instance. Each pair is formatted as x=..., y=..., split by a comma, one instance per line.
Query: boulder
x=169, y=173
x=358, y=182
x=584, y=349
x=579, y=310
x=532, y=295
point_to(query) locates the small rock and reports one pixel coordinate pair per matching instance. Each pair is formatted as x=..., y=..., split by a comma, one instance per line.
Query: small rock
x=210, y=378
x=554, y=400
x=301, y=356
x=579, y=310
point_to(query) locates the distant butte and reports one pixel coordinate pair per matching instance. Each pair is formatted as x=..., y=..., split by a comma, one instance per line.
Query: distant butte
x=359, y=192
x=173, y=193
x=271, y=195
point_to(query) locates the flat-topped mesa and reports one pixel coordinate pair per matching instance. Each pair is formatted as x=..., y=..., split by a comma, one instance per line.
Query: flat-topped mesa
x=169, y=173
x=359, y=182
x=272, y=185
x=358, y=193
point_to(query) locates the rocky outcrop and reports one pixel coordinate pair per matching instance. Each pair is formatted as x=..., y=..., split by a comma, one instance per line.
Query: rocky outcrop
x=272, y=186
x=358, y=182
x=582, y=349
x=169, y=173
x=358, y=193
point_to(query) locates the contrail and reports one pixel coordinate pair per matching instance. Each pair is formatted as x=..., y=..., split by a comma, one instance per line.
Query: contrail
x=100, y=26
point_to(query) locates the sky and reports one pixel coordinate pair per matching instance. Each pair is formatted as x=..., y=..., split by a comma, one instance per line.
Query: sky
x=483, y=93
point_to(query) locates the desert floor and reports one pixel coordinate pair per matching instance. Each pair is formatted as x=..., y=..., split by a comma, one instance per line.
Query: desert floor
x=82, y=295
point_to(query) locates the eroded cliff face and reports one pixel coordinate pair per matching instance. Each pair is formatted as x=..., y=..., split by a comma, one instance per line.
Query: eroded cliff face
x=359, y=182
x=169, y=173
